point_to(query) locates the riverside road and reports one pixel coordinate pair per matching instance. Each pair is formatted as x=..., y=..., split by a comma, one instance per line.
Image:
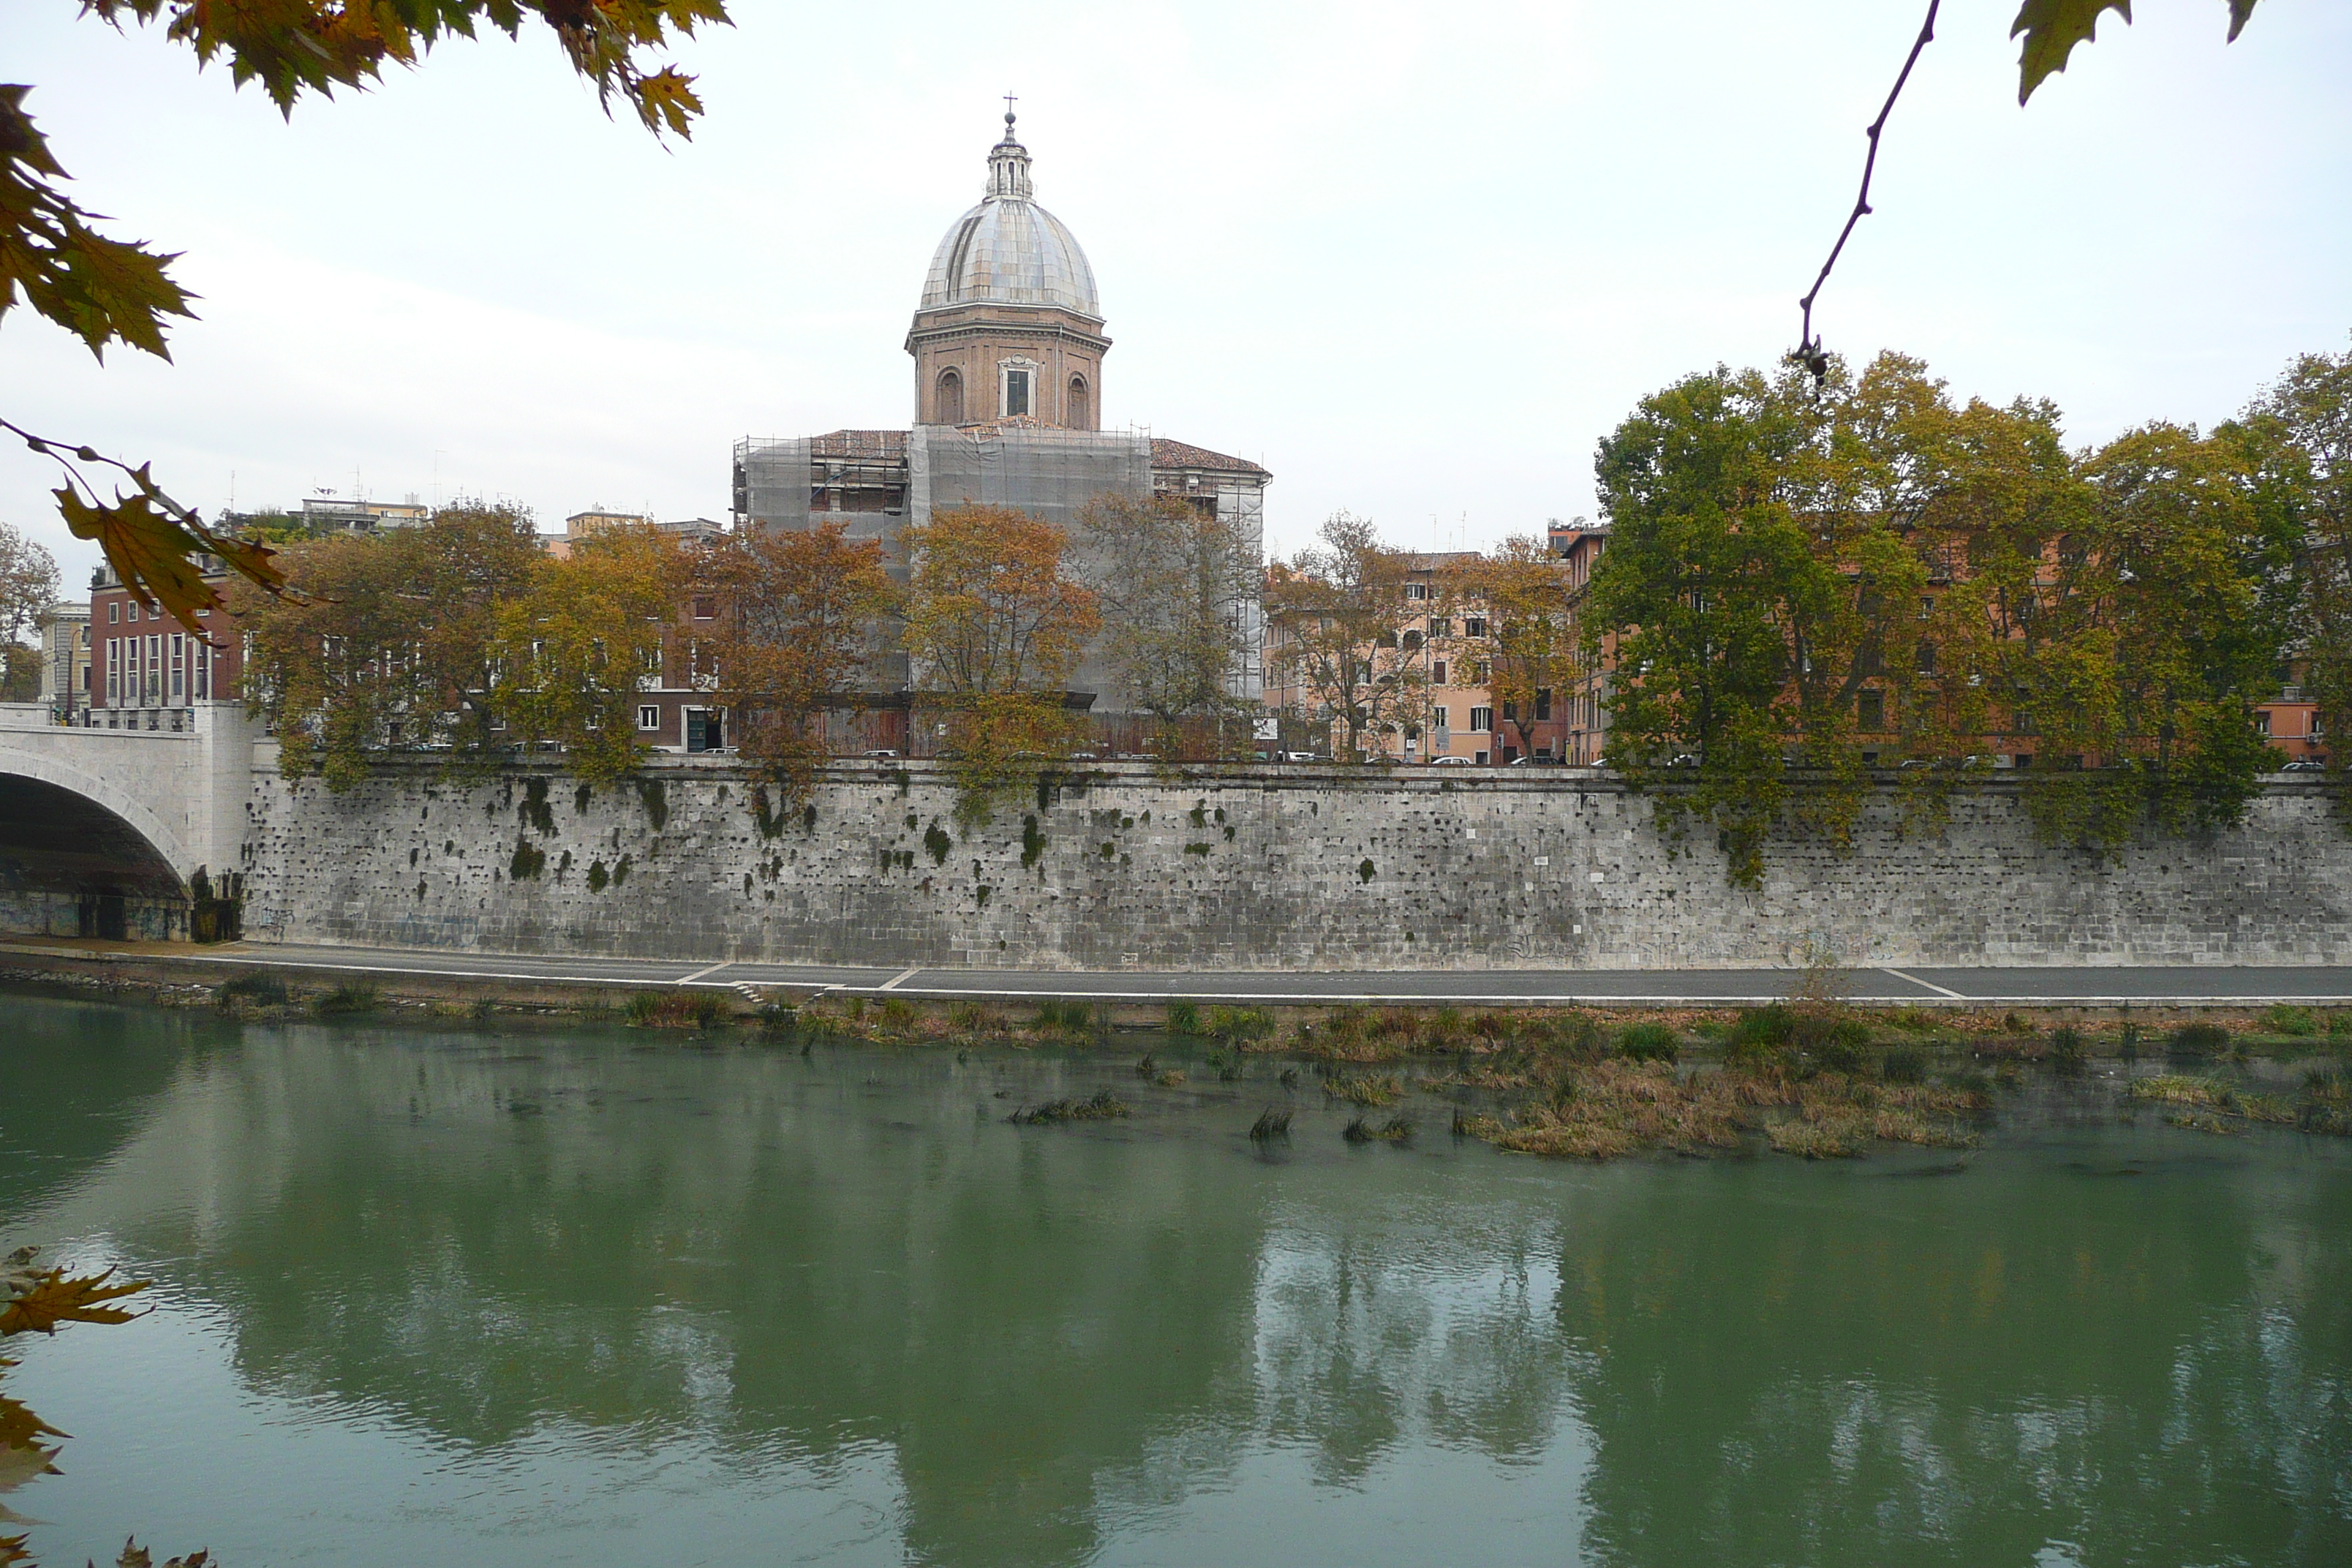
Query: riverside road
x=2086, y=986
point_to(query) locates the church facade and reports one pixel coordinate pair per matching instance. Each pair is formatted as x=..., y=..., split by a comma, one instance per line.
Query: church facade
x=1008, y=344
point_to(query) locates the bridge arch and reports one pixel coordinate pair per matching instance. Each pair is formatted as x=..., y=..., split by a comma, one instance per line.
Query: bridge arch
x=79, y=856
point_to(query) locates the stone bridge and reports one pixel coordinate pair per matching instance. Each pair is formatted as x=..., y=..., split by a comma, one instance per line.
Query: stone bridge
x=105, y=832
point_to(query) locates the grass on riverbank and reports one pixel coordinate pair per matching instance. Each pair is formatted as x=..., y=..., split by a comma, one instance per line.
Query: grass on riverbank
x=1619, y=1106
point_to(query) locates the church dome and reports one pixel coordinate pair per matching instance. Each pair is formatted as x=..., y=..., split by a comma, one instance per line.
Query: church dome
x=1008, y=250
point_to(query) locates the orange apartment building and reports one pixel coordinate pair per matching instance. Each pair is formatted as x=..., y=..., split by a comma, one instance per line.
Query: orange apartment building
x=1446, y=643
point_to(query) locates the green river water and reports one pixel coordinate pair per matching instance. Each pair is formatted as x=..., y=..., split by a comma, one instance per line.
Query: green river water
x=615, y=1297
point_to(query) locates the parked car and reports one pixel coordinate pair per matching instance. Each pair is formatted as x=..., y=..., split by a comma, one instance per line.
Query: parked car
x=883, y=755
x=1296, y=757
x=2305, y=766
x=1449, y=762
x=1541, y=760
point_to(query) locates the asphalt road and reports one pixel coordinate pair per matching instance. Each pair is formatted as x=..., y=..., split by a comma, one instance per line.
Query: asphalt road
x=1998, y=986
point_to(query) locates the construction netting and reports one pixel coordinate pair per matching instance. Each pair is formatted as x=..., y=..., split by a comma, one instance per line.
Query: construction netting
x=1047, y=473
x=772, y=481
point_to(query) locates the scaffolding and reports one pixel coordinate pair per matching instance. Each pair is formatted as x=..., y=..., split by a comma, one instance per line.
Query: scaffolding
x=874, y=482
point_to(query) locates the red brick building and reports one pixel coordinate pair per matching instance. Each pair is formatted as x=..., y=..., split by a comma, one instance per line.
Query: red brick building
x=147, y=670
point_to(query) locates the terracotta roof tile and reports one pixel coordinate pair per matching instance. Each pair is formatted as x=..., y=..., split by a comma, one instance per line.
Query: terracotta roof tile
x=858, y=444
x=1167, y=454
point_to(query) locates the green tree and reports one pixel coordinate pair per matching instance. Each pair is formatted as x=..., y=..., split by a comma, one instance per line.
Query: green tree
x=2145, y=644
x=1172, y=582
x=2295, y=449
x=105, y=290
x=391, y=643
x=1798, y=576
x=1760, y=575
x=1337, y=613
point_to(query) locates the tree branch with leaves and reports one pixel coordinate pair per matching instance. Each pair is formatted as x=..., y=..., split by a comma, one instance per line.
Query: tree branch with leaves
x=105, y=290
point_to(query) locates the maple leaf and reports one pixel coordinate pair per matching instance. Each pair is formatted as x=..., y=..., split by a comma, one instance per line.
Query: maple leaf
x=2052, y=27
x=39, y=1302
x=103, y=291
x=23, y=1455
x=136, y=1556
x=152, y=550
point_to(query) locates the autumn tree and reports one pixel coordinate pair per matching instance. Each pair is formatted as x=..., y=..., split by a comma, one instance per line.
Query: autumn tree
x=392, y=643
x=1532, y=655
x=106, y=291
x=568, y=654
x=995, y=625
x=1174, y=584
x=1338, y=612
x=800, y=611
x=28, y=591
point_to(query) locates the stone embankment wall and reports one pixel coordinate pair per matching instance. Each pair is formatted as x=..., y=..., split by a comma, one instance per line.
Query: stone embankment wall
x=1247, y=868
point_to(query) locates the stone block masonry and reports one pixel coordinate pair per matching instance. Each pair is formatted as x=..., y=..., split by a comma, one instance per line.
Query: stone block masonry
x=1132, y=865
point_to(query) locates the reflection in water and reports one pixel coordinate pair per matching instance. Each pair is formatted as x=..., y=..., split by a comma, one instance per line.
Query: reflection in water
x=622, y=1279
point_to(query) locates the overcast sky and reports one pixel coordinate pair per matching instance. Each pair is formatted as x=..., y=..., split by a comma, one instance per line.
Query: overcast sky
x=1415, y=259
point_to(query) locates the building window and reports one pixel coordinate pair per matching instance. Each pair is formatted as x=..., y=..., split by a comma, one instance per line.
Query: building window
x=951, y=409
x=649, y=717
x=1482, y=719
x=1080, y=407
x=1416, y=591
x=705, y=609
x=2262, y=721
x=1870, y=711
x=1474, y=626
x=114, y=613
x=1016, y=392
x=114, y=668
x=1440, y=722
x=1437, y=673
x=1439, y=627
x=1543, y=704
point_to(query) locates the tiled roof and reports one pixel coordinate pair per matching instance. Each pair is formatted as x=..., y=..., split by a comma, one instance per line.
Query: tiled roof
x=859, y=443
x=1167, y=454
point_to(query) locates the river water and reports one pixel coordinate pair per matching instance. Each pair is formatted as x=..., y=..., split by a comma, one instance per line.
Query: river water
x=617, y=1296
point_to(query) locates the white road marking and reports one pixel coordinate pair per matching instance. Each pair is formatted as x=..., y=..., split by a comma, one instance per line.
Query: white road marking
x=901, y=980
x=1916, y=981
x=698, y=973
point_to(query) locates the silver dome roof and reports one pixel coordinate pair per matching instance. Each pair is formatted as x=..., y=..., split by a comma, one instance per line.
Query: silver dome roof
x=1008, y=250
